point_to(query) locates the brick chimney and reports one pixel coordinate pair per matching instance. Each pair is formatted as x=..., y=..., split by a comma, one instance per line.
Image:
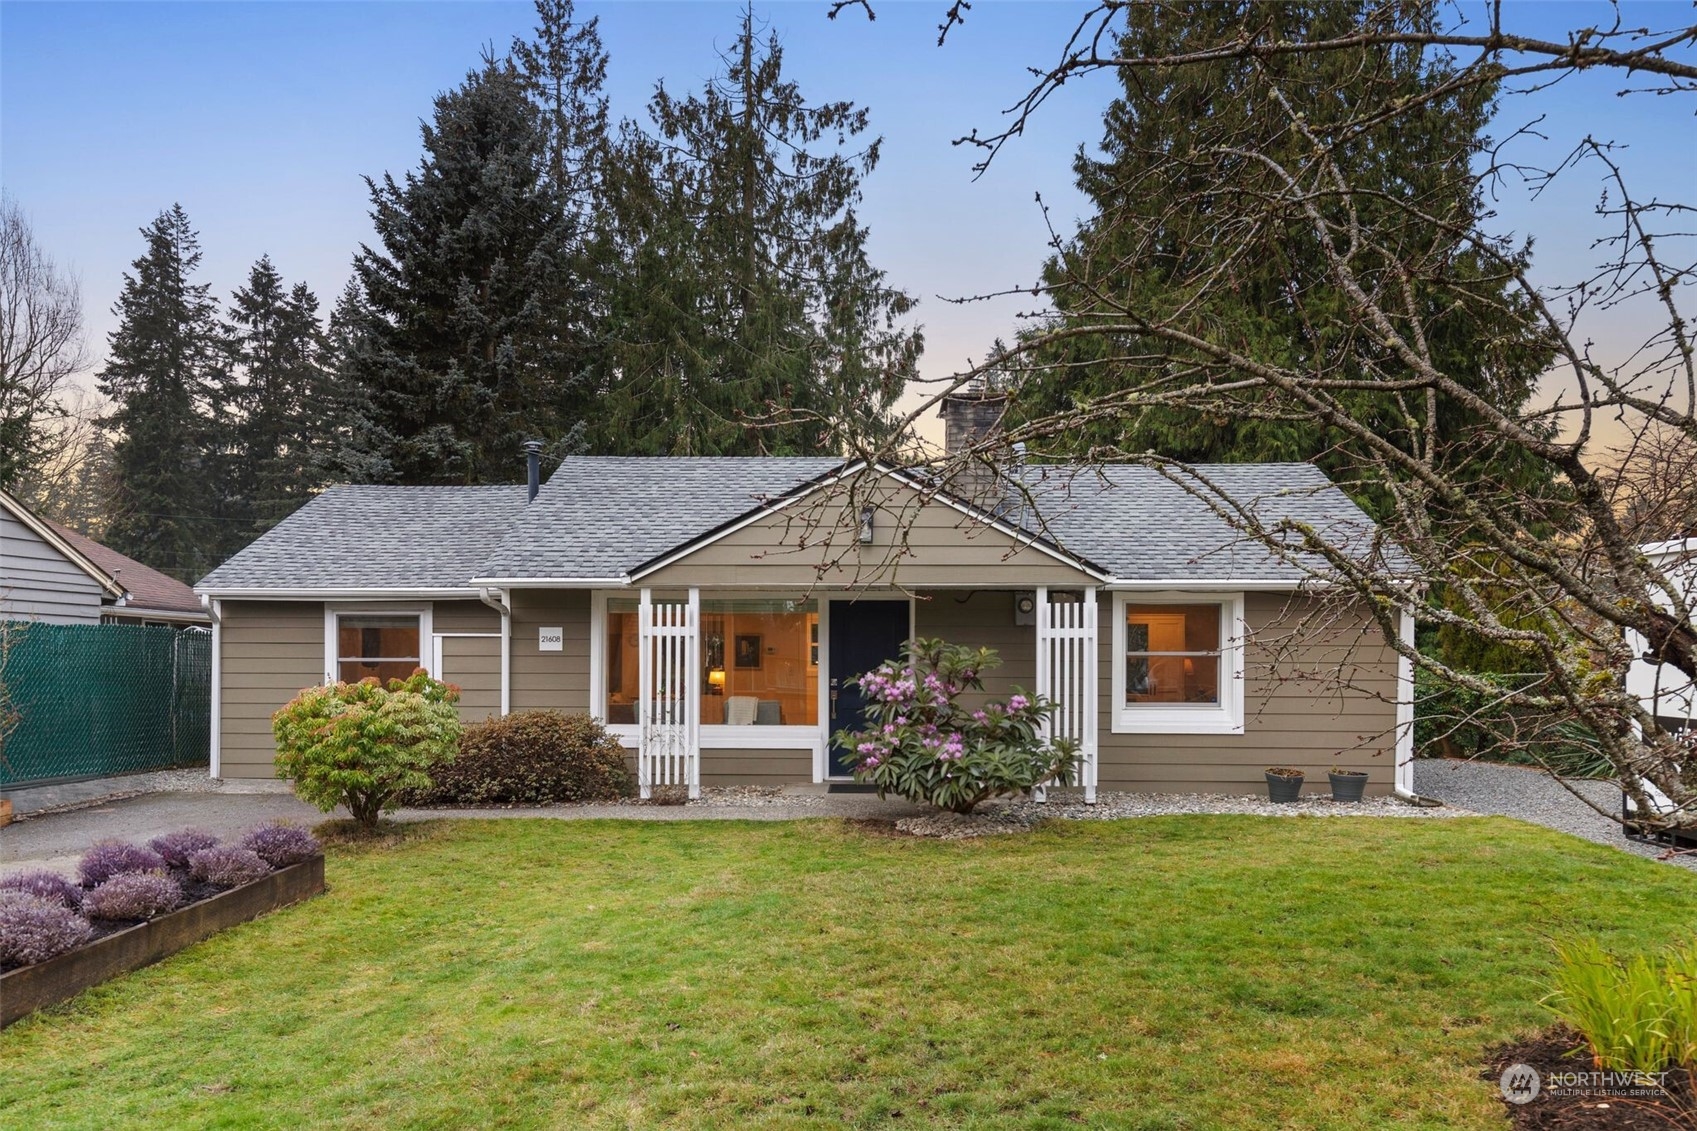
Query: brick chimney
x=971, y=415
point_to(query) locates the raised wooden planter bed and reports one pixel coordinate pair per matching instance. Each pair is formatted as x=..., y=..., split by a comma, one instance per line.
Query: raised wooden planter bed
x=25, y=990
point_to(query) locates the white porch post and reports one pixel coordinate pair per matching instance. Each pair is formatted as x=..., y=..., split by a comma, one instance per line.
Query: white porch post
x=669, y=707
x=1067, y=675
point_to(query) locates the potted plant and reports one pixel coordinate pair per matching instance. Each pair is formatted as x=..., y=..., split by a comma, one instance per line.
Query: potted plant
x=1283, y=783
x=1347, y=785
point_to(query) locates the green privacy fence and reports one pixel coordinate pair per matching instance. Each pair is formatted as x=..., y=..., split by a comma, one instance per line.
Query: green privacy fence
x=98, y=699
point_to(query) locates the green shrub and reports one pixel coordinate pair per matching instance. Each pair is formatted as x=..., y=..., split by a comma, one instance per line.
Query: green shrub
x=925, y=745
x=361, y=744
x=531, y=758
x=1638, y=1014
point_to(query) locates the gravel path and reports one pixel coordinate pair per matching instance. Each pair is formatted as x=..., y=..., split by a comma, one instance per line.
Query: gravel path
x=1531, y=795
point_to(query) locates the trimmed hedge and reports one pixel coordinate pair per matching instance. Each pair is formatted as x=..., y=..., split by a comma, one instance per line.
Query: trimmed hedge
x=531, y=758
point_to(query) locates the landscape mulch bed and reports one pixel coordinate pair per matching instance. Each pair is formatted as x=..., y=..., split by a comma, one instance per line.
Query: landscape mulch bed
x=1589, y=1109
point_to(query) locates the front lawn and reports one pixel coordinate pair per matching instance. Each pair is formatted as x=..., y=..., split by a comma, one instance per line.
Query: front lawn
x=1186, y=972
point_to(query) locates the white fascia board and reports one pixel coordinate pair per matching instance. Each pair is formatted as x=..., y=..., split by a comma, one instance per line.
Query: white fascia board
x=139, y=612
x=1188, y=583
x=1671, y=549
x=551, y=582
x=421, y=594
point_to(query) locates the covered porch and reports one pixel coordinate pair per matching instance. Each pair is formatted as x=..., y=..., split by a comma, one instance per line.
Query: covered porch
x=736, y=686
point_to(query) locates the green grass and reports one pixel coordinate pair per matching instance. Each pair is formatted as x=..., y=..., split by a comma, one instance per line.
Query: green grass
x=1192, y=972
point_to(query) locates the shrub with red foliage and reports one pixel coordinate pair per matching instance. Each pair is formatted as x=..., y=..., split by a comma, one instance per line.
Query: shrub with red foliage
x=175, y=847
x=227, y=866
x=281, y=845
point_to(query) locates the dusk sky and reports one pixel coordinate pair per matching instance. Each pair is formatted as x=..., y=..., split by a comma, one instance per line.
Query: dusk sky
x=260, y=118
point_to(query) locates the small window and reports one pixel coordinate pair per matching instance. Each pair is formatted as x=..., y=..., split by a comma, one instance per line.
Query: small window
x=1172, y=654
x=1178, y=664
x=386, y=647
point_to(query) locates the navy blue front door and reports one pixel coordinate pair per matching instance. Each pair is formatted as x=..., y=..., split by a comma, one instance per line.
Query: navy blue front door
x=863, y=634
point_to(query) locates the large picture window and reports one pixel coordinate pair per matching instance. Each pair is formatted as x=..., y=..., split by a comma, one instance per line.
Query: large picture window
x=1178, y=664
x=759, y=660
x=381, y=645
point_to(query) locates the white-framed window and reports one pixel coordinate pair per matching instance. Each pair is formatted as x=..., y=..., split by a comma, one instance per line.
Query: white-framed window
x=385, y=641
x=1178, y=663
x=760, y=684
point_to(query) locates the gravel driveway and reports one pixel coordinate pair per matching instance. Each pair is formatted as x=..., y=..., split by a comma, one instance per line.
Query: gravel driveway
x=1530, y=795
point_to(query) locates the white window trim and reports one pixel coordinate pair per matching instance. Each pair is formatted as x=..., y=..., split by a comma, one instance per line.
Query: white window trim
x=1224, y=717
x=426, y=635
x=714, y=736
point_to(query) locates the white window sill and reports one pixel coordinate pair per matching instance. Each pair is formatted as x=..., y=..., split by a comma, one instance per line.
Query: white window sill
x=717, y=736
x=1159, y=721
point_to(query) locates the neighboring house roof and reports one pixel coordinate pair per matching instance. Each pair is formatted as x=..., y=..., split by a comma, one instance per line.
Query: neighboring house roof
x=146, y=587
x=599, y=518
x=376, y=538
x=49, y=533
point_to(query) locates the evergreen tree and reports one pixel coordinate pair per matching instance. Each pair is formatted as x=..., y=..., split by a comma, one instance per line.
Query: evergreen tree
x=461, y=349
x=283, y=404
x=563, y=68
x=165, y=374
x=745, y=316
x=1157, y=231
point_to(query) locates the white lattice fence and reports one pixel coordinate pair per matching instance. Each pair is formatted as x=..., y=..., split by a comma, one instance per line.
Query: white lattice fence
x=1066, y=674
x=668, y=751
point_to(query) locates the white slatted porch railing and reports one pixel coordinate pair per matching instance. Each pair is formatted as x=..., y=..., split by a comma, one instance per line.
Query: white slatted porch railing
x=669, y=702
x=1066, y=674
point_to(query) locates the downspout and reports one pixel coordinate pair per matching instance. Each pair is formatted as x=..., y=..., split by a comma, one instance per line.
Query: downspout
x=215, y=759
x=502, y=605
x=1405, y=720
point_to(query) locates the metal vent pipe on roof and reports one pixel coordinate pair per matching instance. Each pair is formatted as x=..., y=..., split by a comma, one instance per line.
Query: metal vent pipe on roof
x=533, y=459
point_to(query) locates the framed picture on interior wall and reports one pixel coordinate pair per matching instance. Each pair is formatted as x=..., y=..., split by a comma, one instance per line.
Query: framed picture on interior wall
x=748, y=650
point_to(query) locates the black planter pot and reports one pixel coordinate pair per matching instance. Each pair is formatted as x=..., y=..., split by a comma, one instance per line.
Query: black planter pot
x=1347, y=787
x=1283, y=789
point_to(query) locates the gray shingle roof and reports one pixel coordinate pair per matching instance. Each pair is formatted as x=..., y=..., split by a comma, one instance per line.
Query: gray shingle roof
x=377, y=538
x=601, y=517
x=1140, y=525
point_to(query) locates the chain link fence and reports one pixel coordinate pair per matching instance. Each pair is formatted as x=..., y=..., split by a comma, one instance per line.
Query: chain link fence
x=99, y=699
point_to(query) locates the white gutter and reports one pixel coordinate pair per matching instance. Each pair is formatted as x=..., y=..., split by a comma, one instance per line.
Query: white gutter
x=342, y=594
x=501, y=604
x=552, y=582
x=215, y=763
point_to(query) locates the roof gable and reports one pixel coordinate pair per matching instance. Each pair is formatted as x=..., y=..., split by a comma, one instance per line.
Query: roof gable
x=51, y=535
x=146, y=587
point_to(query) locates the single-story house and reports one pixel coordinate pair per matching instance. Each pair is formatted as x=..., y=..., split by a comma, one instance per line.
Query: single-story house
x=713, y=611
x=51, y=574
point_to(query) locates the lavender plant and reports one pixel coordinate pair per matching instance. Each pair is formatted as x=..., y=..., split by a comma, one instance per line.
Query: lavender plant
x=109, y=858
x=926, y=745
x=281, y=845
x=46, y=885
x=227, y=866
x=175, y=847
x=133, y=896
x=33, y=929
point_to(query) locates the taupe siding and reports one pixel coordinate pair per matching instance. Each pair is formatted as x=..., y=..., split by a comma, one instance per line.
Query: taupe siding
x=271, y=649
x=556, y=681
x=473, y=664
x=914, y=544
x=1291, y=715
x=39, y=583
x=464, y=616
x=756, y=767
x=982, y=618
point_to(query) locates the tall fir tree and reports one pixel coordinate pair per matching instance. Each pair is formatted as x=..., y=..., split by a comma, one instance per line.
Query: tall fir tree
x=745, y=314
x=461, y=349
x=166, y=373
x=1154, y=233
x=284, y=418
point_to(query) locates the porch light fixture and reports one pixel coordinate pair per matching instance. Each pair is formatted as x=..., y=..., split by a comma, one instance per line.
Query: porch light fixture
x=866, y=526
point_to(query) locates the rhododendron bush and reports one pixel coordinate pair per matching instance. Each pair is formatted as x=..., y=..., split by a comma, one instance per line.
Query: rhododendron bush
x=925, y=743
